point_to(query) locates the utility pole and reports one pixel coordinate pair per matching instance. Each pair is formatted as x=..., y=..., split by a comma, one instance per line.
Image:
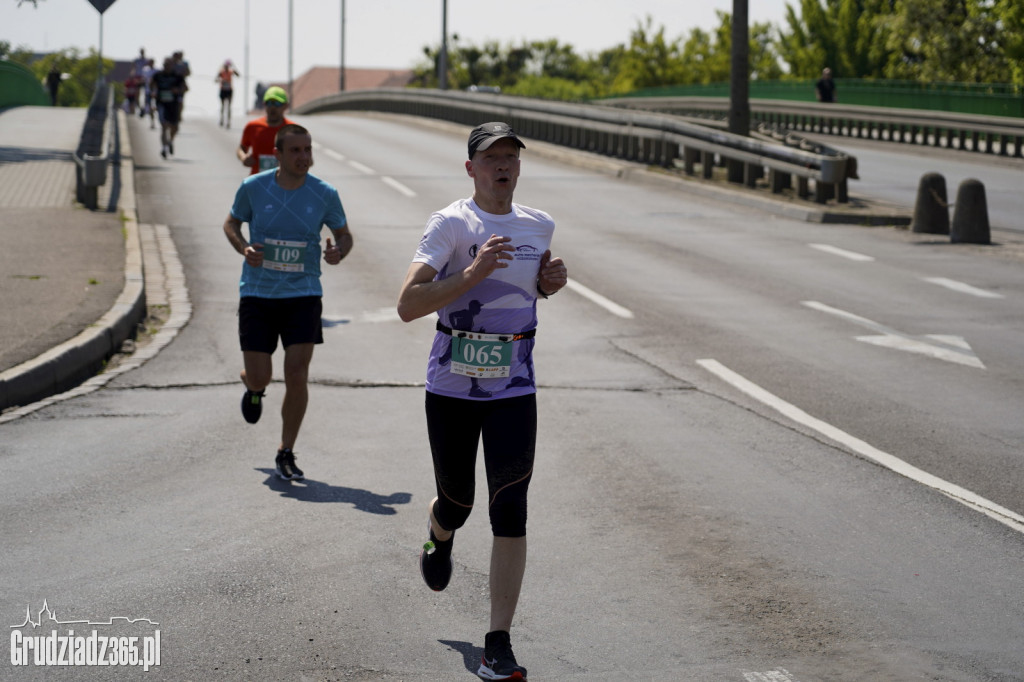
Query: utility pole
x=739, y=83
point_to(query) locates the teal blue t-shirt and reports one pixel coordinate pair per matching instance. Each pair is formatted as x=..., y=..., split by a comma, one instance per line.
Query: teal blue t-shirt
x=288, y=224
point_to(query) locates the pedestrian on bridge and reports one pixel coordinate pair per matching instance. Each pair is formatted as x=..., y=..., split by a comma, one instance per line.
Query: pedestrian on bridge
x=280, y=288
x=825, y=88
x=481, y=265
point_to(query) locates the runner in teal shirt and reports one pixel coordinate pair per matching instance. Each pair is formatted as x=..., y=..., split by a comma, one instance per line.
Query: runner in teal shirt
x=286, y=209
x=288, y=224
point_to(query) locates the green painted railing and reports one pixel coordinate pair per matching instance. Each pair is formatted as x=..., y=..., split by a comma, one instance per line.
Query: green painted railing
x=990, y=99
x=20, y=87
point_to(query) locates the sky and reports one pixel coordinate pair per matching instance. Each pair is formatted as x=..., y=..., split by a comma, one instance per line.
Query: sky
x=378, y=33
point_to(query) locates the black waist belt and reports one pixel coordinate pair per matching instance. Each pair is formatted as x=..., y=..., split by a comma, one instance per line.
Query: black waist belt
x=510, y=337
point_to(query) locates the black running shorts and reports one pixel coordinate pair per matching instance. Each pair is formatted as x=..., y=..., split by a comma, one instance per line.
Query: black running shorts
x=261, y=321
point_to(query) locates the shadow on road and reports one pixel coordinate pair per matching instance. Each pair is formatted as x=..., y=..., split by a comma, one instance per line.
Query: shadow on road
x=316, y=491
x=471, y=655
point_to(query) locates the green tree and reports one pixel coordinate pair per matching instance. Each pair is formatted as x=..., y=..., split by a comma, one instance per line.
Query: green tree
x=848, y=36
x=1009, y=18
x=650, y=60
x=707, y=57
x=951, y=40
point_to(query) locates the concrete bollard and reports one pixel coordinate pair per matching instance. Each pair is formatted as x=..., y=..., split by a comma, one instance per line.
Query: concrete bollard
x=970, y=216
x=931, y=210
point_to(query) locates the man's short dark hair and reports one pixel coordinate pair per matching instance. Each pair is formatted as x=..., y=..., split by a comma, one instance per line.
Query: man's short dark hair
x=290, y=129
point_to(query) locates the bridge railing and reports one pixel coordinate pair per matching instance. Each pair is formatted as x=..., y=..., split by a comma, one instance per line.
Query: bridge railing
x=998, y=135
x=95, y=146
x=652, y=138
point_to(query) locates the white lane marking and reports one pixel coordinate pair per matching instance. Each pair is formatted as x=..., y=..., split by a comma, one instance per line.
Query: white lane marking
x=609, y=305
x=941, y=346
x=891, y=462
x=369, y=316
x=961, y=287
x=836, y=251
x=395, y=184
x=361, y=168
x=334, y=155
x=780, y=675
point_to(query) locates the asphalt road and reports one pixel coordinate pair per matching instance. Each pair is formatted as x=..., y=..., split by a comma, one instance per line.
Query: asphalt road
x=756, y=439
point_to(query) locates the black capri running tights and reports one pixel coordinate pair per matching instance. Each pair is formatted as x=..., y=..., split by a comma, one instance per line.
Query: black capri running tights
x=509, y=429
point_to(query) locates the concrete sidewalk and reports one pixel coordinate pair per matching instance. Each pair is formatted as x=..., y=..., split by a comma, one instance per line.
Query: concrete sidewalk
x=72, y=287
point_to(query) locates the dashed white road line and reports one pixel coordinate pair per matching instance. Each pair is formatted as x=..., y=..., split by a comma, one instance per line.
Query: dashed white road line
x=395, y=184
x=836, y=251
x=366, y=170
x=333, y=154
x=962, y=495
x=609, y=305
x=961, y=287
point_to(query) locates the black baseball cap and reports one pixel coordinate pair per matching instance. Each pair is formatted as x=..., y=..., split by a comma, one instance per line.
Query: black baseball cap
x=484, y=135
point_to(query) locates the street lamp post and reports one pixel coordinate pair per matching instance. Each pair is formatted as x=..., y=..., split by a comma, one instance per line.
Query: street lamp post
x=341, y=71
x=739, y=84
x=442, y=62
x=245, y=96
x=291, y=100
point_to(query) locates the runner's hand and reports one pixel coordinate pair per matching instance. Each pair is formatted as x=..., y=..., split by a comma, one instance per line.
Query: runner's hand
x=254, y=255
x=332, y=254
x=492, y=255
x=552, y=275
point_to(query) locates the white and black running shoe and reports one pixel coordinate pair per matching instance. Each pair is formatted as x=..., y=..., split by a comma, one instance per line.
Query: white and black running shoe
x=286, y=467
x=499, y=663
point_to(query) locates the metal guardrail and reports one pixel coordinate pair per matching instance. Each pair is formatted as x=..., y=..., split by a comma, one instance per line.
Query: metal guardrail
x=95, y=146
x=999, y=135
x=641, y=136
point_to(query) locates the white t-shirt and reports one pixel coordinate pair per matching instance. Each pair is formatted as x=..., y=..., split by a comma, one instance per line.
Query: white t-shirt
x=504, y=303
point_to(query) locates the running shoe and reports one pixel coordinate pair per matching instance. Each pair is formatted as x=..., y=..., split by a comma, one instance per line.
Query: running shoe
x=286, y=468
x=170, y=148
x=252, y=405
x=163, y=151
x=499, y=663
x=436, y=562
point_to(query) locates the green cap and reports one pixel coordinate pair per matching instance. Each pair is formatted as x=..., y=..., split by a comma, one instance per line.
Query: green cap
x=275, y=94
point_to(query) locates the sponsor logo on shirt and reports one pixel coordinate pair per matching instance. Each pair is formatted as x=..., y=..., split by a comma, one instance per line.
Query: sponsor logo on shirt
x=527, y=252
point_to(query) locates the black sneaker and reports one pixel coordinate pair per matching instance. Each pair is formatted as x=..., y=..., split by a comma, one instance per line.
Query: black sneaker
x=286, y=467
x=252, y=405
x=436, y=561
x=170, y=148
x=499, y=663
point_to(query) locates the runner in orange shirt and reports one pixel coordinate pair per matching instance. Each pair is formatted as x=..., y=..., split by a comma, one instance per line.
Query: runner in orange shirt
x=256, y=150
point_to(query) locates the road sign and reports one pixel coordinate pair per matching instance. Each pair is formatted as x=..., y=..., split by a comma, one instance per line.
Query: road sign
x=101, y=5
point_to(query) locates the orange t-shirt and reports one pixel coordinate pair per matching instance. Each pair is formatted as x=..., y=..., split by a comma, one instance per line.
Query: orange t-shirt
x=259, y=137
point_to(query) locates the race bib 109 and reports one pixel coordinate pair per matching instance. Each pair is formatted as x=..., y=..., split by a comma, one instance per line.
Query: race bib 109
x=284, y=256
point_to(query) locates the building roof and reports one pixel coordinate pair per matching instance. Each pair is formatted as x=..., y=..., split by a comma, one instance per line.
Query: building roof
x=320, y=81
